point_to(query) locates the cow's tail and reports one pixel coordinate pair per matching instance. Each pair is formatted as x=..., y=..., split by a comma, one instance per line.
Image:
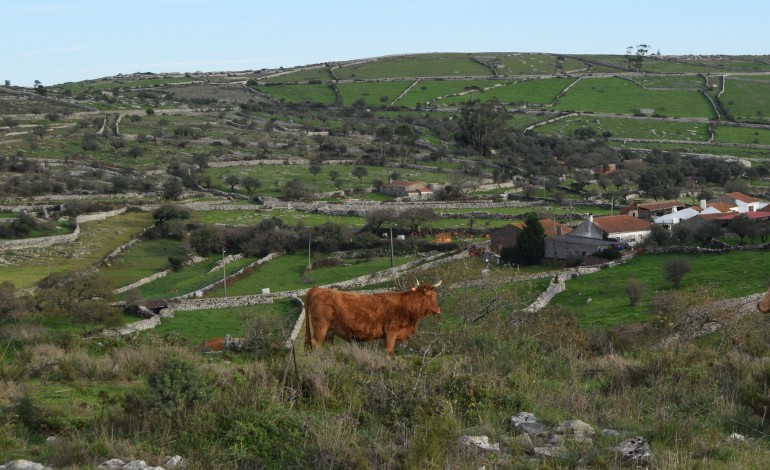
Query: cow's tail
x=308, y=335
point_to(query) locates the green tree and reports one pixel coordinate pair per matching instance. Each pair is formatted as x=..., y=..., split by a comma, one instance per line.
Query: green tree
x=482, y=125
x=743, y=226
x=172, y=189
x=207, y=240
x=359, y=172
x=251, y=183
x=233, y=181
x=675, y=269
x=530, y=245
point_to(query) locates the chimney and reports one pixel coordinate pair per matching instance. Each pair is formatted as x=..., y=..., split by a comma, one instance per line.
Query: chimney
x=702, y=203
x=590, y=217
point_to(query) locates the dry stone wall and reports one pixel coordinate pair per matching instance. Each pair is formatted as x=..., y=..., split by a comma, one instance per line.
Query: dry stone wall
x=42, y=242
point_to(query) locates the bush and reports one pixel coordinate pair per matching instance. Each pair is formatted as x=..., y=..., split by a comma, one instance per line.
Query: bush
x=174, y=390
x=675, y=269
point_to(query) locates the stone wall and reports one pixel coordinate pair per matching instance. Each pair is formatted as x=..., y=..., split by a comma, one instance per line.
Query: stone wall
x=133, y=327
x=142, y=281
x=42, y=242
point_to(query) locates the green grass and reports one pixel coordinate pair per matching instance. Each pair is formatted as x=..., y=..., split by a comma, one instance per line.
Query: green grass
x=748, y=100
x=143, y=259
x=197, y=326
x=539, y=92
x=724, y=276
x=374, y=94
x=97, y=239
x=253, y=217
x=288, y=273
x=618, y=96
x=629, y=128
x=190, y=278
x=300, y=93
x=414, y=66
x=429, y=90
x=304, y=75
x=742, y=135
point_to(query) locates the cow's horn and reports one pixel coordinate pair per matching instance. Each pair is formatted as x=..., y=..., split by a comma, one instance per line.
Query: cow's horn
x=438, y=283
x=417, y=282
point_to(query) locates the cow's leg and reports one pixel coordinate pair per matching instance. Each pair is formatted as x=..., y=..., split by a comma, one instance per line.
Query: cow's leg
x=390, y=343
x=320, y=329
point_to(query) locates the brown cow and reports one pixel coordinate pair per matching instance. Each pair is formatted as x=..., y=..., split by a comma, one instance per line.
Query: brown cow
x=392, y=316
x=764, y=303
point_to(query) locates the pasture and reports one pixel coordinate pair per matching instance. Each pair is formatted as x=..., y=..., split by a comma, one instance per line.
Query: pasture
x=320, y=94
x=96, y=240
x=714, y=277
x=630, y=128
x=618, y=96
x=540, y=92
x=373, y=94
x=748, y=100
x=414, y=66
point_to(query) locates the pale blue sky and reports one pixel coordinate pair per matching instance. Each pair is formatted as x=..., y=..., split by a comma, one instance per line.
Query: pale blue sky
x=57, y=41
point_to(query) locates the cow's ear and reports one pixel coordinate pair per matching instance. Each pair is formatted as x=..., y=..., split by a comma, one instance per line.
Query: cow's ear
x=412, y=288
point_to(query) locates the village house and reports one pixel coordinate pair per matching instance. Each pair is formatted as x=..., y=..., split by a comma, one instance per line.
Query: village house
x=739, y=202
x=407, y=188
x=705, y=209
x=650, y=210
x=598, y=234
x=506, y=236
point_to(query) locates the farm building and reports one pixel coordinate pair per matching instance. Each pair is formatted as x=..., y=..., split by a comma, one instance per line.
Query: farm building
x=508, y=235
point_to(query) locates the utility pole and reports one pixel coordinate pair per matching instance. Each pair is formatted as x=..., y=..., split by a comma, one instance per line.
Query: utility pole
x=391, y=246
x=224, y=269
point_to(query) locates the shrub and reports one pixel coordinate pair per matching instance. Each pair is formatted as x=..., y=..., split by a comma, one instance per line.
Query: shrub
x=675, y=269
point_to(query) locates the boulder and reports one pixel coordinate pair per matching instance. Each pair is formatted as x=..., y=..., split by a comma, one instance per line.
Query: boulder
x=578, y=430
x=23, y=465
x=635, y=451
x=482, y=442
x=527, y=423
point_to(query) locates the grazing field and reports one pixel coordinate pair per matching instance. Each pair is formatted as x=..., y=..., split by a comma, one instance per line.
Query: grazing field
x=320, y=94
x=431, y=90
x=197, y=326
x=742, y=135
x=191, y=278
x=718, y=276
x=289, y=272
x=538, y=92
x=668, y=82
x=414, y=66
x=96, y=240
x=374, y=94
x=618, y=96
x=630, y=128
x=305, y=74
x=143, y=259
x=748, y=100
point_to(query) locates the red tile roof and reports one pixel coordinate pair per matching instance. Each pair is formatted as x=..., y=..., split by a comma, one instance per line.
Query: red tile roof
x=654, y=206
x=621, y=223
x=741, y=197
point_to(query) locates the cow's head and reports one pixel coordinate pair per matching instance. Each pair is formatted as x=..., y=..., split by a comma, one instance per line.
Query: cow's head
x=427, y=296
x=764, y=303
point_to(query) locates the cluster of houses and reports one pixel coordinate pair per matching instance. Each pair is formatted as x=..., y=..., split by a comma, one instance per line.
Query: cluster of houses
x=632, y=226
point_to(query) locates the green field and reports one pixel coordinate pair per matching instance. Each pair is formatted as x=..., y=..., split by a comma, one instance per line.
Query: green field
x=190, y=278
x=197, y=326
x=539, y=92
x=375, y=94
x=748, y=99
x=618, y=96
x=721, y=276
x=303, y=75
x=288, y=272
x=630, y=128
x=142, y=259
x=414, y=66
x=321, y=94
